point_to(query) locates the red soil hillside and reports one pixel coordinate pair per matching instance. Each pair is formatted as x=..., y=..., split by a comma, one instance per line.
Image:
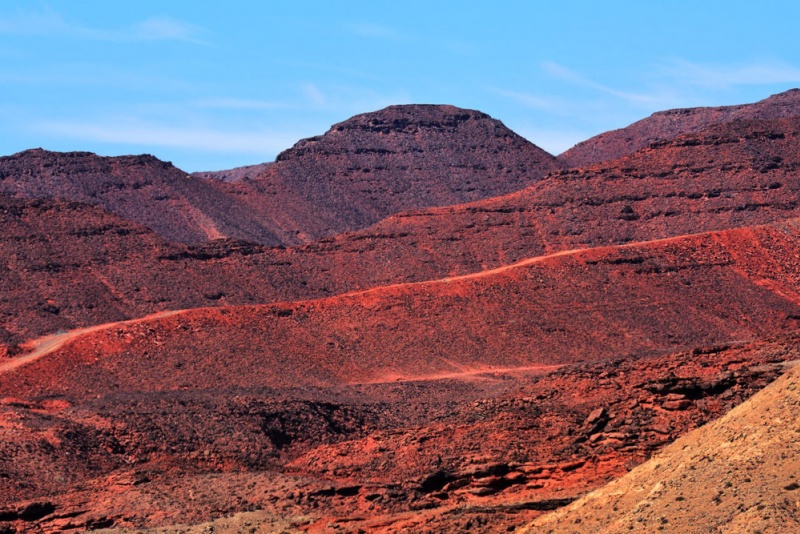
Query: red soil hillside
x=66, y=265
x=395, y=159
x=483, y=452
x=361, y=408
x=640, y=299
x=733, y=175
x=668, y=124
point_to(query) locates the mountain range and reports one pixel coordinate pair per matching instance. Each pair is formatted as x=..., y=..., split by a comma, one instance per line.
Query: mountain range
x=418, y=321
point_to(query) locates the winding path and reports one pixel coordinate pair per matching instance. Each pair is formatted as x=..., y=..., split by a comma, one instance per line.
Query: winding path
x=45, y=345
x=48, y=344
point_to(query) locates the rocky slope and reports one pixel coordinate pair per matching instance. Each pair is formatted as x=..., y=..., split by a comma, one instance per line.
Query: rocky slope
x=66, y=265
x=237, y=174
x=402, y=157
x=430, y=398
x=732, y=175
x=486, y=452
x=359, y=172
x=647, y=301
x=665, y=125
x=737, y=474
x=640, y=299
x=141, y=189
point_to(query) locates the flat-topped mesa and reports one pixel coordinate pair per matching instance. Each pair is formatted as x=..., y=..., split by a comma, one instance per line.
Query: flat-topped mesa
x=47, y=169
x=398, y=129
x=399, y=158
x=668, y=124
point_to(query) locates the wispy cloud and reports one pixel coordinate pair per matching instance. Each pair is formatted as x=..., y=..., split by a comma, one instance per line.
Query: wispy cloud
x=164, y=29
x=239, y=103
x=48, y=22
x=375, y=31
x=314, y=95
x=647, y=99
x=716, y=76
x=131, y=131
x=39, y=22
x=344, y=99
x=529, y=100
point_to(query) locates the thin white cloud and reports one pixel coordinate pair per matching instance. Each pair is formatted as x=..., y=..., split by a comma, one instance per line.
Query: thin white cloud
x=135, y=132
x=239, y=103
x=348, y=99
x=375, y=31
x=40, y=22
x=48, y=22
x=166, y=29
x=563, y=73
x=716, y=76
x=314, y=95
x=529, y=100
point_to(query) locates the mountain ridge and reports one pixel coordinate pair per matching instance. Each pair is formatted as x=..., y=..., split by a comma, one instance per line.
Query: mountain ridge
x=360, y=171
x=663, y=125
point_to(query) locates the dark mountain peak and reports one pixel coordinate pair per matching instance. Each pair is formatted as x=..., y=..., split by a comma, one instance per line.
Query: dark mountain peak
x=139, y=188
x=791, y=94
x=399, y=117
x=398, y=121
x=395, y=159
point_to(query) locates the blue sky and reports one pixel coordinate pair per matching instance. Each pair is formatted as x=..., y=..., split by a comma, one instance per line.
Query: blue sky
x=212, y=85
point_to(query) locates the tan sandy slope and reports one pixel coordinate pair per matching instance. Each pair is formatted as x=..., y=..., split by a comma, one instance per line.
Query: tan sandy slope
x=738, y=474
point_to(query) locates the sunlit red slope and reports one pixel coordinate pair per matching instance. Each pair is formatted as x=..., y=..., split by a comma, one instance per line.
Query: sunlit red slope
x=640, y=299
x=421, y=396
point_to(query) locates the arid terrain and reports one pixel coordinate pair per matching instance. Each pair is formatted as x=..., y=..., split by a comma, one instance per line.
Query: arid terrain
x=417, y=322
x=736, y=474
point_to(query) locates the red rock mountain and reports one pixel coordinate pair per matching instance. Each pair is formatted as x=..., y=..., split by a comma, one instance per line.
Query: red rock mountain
x=668, y=124
x=654, y=293
x=359, y=172
x=141, y=189
x=238, y=174
x=730, y=175
x=395, y=159
x=363, y=407
x=727, y=177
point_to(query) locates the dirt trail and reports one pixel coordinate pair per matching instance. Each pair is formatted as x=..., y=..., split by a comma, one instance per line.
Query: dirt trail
x=476, y=373
x=45, y=345
x=48, y=344
x=534, y=260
